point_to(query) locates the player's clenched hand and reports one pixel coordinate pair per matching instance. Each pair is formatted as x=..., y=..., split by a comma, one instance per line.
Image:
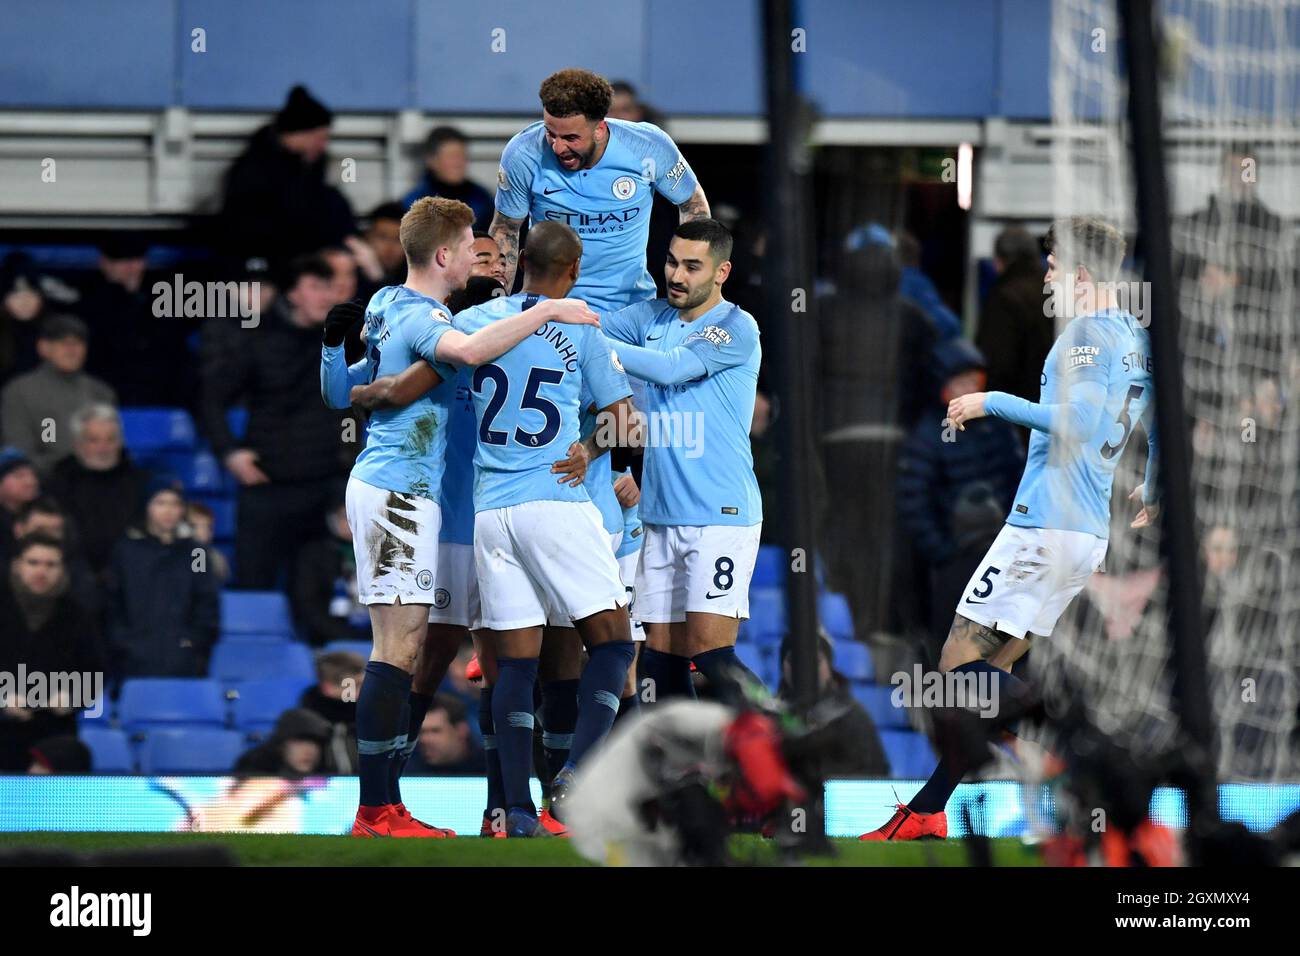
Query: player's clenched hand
x=340, y=320
x=626, y=491
x=574, y=468
x=1147, y=516
x=573, y=312
x=242, y=463
x=966, y=408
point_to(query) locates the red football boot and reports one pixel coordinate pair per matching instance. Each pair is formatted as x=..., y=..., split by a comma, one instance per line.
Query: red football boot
x=553, y=826
x=372, y=822
x=907, y=824
x=402, y=824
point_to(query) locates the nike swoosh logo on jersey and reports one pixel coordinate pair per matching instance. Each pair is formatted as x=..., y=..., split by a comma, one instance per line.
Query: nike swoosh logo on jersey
x=653, y=338
x=547, y=192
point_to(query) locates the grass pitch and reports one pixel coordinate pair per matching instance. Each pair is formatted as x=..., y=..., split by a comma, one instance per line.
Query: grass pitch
x=294, y=850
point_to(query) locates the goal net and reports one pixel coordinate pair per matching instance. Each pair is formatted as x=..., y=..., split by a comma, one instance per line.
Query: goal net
x=1230, y=104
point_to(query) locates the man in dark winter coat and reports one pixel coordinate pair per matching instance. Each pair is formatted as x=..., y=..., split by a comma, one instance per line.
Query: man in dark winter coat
x=955, y=487
x=44, y=629
x=278, y=203
x=162, y=605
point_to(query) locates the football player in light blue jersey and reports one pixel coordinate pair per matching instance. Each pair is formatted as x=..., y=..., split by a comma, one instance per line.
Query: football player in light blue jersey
x=599, y=177
x=1096, y=384
x=392, y=495
x=700, y=502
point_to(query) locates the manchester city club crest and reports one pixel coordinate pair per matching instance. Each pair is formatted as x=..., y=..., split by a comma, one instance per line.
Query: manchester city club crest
x=424, y=580
x=624, y=187
x=441, y=598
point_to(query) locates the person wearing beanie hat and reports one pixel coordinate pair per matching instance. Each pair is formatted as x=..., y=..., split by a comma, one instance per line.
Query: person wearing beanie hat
x=52, y=392
x=276, y=201
x=61, y=754
x=19, y=485
x=295, y=748
x=162, y=595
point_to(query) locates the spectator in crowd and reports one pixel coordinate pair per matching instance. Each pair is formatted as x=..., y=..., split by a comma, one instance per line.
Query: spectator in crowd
x=343, y=265
x=1016, y=328
x=873, y=369
x=296, y=748
x=19, y=486
x=325, y=585
x=62, y=753
x=36, y=408
x=917, y=287
x=855, y=749
x=277, y=203
x=446, y=165
x=627, y=105
x=955, y=488
x=143, y=356
x=447, y=747
x=22, y=307
x=44, y=516
x=382, y=260
x=98, y=486
x=202, y=524
x=162, y=612
x=334, y=697
x=296, y=450
x=46, y=630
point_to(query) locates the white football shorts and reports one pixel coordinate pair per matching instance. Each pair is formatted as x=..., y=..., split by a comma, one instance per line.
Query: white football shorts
x=689, y=568
x=395, y=541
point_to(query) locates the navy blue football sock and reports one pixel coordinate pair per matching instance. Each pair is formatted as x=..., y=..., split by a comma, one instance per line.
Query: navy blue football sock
x=724, y=672
x=417, y=706
x=496, y=799
x=559, y=718
x=512, y=718
x=626, y=706
x=669, y=674
x=938, y=790
x=602, y=681
x=381, y=728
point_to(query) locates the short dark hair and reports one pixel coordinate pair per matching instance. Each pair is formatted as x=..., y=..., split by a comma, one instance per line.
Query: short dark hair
x=312, y=264
x=60, y=326
x=711, y=231
x=453, y=706
x=1094, y=243
x=551, y=247
x=440, y=136
x=44, y=505
x=37, y=539
x=483, y=234
x=573, y=91
x=388, y=210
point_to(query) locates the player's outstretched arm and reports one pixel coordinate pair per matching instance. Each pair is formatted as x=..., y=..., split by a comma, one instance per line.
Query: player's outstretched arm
x=1072, y=420
x=697, y=207
x=337, y=377
x=397, y=391
x=663, y=368
x=497, y=338
x=505, y=231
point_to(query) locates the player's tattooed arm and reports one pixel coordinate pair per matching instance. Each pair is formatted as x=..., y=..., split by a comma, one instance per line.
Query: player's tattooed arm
x=396, y=391
x=697, y=207
x=506, y=233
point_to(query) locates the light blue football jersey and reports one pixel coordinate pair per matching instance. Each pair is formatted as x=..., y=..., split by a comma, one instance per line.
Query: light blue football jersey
x=527, y=404
x=608, y=205
x=1067, y=482
x=632, y=534
x=405, y=447
x=699, y=468
x=600, y=477
x=458, y=475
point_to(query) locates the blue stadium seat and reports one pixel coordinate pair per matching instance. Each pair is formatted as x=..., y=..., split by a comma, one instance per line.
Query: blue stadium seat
x=836, y=615
x=147, y=702
x=199, y=471
x=875, y=699
x=107, y=716
x=147, y=430
x=190, y=750
x=237, y=421
x=853, y=660
x=762, y=661
x=767, y=615
x=110, y=750
x=255, y=612
x=258, y=703
x=356, y=647
x=236, y=661
x=769, y=567
x=909, y=753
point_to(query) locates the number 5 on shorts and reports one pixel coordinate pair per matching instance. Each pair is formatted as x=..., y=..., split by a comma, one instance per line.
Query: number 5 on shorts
x=987, y=582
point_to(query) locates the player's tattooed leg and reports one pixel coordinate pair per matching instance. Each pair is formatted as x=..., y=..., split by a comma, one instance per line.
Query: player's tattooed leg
x=969, y=641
